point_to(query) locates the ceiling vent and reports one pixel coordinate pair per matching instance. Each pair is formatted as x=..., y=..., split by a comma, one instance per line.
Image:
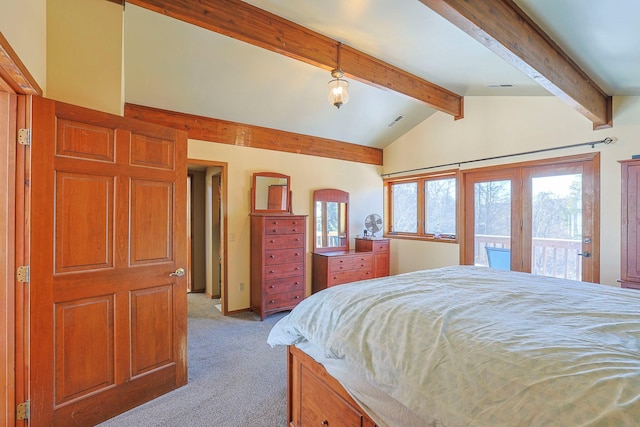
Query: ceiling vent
x=501, y=85
x=396, y=120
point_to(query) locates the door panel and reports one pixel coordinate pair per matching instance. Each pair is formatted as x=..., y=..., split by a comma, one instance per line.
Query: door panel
x=151, y=218
x=151, y=337
x=108, y=215
x=492, y=219
x=83, y=237
x=82, y=369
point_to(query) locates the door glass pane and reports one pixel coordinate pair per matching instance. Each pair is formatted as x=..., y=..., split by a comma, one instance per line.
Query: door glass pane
x=492, y=219
x=405, y=207
x=440, y=207
x=557, y=226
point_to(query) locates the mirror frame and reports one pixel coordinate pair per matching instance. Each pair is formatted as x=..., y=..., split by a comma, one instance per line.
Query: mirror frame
x=254, y=190
x=337, y=196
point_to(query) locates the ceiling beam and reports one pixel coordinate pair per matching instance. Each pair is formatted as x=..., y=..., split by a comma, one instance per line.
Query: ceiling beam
x=240, y=134
x=504, y=28
x=242, y=21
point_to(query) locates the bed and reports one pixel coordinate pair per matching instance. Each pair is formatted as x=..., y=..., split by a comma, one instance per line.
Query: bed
x=464, y=346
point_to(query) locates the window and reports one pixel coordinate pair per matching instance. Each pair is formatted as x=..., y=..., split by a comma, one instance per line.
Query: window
x=423, y=206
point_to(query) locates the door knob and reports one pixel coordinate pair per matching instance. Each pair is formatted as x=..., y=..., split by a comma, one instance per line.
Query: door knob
x=585, y=254
x=179, y=272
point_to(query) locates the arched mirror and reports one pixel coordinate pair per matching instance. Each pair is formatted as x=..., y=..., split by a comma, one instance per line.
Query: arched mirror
x=270, y=193
x=331, y=220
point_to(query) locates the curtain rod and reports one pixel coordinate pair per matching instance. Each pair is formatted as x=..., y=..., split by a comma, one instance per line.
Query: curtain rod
x=605, y=141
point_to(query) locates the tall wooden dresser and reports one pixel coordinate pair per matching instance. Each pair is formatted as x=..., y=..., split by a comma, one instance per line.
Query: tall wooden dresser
x=278, y=262
x=630, y=239
x=368, y=261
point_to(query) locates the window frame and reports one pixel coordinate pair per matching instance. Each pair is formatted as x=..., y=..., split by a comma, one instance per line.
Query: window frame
x=421, y=179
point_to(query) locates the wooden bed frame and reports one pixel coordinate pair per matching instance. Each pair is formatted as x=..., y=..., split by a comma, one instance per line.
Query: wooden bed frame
x=315, y=398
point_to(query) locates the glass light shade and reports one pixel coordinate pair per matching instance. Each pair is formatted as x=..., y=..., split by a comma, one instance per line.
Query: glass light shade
x=338, y=95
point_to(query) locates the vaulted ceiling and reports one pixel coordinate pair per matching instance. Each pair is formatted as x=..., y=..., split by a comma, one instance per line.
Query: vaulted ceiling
x=266, y=63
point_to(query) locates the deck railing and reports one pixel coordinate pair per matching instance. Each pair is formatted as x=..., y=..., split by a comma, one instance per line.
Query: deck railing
x=551, y=257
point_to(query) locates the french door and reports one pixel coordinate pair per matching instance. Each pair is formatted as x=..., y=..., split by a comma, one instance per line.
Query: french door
x=540, y=217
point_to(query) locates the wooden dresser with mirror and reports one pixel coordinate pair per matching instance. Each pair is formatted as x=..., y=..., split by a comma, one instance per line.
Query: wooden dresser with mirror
x=333, y=262
x=278, y=246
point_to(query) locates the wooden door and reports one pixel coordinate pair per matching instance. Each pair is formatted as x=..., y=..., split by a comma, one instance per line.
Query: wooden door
x=108, y=225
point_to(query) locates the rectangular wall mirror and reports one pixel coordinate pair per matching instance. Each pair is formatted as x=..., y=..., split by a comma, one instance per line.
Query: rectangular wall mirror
x=270, y=193
x=331, y=220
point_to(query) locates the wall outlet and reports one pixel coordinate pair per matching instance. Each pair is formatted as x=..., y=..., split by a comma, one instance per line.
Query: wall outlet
x=241, y=287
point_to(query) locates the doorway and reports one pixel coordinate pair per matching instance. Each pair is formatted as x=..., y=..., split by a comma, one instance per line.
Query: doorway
x=207, y=229
x=542, y=217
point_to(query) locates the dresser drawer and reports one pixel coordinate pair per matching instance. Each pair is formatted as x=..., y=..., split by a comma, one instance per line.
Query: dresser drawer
x=284, y=226
x=279, y=271
x=362, y=262
x=289, y=299
x=284, y=241
x=381, y=246
x=340, y=264
x=275, y=226
x=282, y=286
x=372, y=245
x=349, y=276
x=295, y=226
x=281, y=256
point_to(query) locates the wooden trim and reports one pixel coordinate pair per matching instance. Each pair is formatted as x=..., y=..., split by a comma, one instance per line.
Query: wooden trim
x=22, y=233
x=242, y=21
x=14, y=76
x=8, y=121
x=232, y=133
x=224, y=298
x=120, y=2
x=504, y=28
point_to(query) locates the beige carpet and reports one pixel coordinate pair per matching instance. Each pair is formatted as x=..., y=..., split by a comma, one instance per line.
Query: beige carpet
x=235, y=378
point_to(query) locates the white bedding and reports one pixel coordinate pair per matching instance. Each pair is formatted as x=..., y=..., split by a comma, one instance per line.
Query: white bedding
x=472, y=346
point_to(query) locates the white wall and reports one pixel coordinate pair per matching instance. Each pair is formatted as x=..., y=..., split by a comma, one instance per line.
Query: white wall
x=496, y=126
x=307, y=173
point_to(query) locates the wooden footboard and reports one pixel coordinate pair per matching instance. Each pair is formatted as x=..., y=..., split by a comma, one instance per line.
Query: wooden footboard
x=316, y=399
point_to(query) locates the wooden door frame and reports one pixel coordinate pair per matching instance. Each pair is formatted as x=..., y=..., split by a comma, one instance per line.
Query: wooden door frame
x=16, y=81
x=592, y=186
x=224, y=298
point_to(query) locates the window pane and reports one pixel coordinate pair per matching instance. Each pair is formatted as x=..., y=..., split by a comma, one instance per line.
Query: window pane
x=557, y=226
x=405, y=207
x=492, y=207
x=440, y=206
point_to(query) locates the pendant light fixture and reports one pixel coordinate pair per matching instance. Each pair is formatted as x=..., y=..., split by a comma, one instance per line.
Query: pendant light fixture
x=338, y=95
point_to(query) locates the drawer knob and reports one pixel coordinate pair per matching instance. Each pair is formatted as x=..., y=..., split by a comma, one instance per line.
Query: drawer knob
x=271, y=286
x=297, y=297
x=271, y=271
x=324, y=423
x=272, y=256
x=271, y=302
x=272, y=241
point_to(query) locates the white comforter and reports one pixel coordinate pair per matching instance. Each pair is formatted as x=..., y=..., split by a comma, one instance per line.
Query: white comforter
x=472, y=346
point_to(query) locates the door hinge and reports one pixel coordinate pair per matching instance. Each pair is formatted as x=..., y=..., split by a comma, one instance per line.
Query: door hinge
x=24, y=136
x=23, y=411
x=23, y=274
